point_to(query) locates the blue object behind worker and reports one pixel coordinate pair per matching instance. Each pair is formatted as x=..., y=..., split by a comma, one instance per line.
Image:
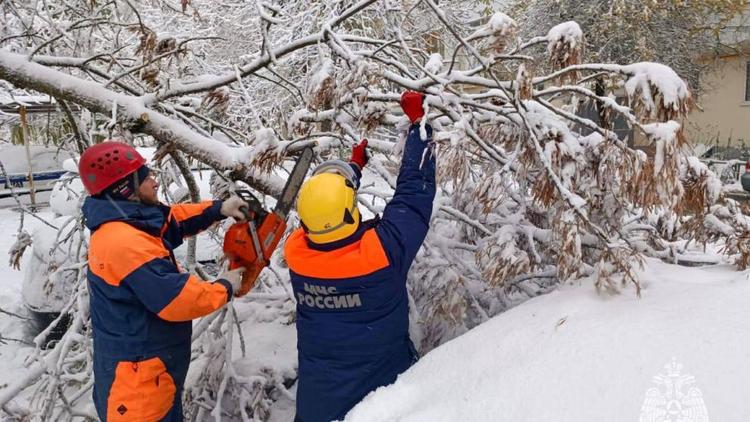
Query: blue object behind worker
x=352, y=311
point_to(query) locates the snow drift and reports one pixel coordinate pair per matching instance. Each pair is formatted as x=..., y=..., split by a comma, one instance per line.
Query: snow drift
x=679, y=353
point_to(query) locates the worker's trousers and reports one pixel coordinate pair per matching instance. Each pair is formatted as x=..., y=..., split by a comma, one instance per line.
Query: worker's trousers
x=142, y=388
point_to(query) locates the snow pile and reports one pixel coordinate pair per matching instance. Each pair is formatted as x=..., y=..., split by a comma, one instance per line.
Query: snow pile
x=265, y=141
x=500, y=28
x=664, y=135
x=47, y=285
x=567, y=34
x=43, y=158
x=11, y=355
x=67, y=196
x=434, y=64
x=650, y=81
x=320, y=85
x=693, y=166
x=573, y=355
x=714, y=224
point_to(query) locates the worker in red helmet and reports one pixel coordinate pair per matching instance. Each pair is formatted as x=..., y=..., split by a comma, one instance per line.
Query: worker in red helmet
x=142, y=305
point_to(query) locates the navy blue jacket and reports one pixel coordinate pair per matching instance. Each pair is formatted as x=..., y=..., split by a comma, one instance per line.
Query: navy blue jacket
x=352, y=310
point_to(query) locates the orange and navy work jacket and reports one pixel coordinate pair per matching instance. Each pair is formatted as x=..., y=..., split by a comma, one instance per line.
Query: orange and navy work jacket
x=352, y=304
x=140, y=301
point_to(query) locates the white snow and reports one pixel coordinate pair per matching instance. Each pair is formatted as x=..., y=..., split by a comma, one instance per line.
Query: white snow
x=499, y=25
x=265, y=141
x=664, y=135
x=44, y=288
x=500, y=22
x=715, y=225
x=12, y=353
x=323, y=71
x=434, y=63
x=67, y=196
x=647, y=75
x=573, y=355
x=564, y=33
x=714, y=185
x=551, y=126
x=26, y=100
x=43, y=158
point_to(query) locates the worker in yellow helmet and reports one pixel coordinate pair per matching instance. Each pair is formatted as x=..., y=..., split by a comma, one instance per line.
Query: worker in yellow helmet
x=349, y=276
x=327, y=203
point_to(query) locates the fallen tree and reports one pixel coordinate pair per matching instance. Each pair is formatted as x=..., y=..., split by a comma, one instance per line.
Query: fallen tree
x=531, y=192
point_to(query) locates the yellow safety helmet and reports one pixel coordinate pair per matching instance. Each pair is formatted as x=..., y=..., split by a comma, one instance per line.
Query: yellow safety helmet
x=327, y=203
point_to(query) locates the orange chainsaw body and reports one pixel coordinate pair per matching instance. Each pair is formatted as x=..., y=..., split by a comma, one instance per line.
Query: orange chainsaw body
x=240, y=248
x=251, y=243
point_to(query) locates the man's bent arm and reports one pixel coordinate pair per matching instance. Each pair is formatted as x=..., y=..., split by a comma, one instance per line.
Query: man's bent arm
x=176, y=296
x=187, y=220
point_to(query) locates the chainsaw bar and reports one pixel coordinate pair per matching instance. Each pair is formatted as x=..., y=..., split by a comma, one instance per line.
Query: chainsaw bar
x=294, y=183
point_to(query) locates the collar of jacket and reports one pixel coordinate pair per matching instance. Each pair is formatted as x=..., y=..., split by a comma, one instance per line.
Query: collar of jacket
x=332, y=246
x=149, y=218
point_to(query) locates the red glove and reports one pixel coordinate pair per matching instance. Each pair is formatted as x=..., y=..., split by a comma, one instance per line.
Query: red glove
x=411, y=103
x=359, y=154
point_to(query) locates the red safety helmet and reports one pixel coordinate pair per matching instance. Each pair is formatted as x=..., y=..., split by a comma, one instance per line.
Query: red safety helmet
x=103, y=164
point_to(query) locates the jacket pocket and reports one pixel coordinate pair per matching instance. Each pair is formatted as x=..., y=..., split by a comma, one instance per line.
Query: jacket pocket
x=141, y=391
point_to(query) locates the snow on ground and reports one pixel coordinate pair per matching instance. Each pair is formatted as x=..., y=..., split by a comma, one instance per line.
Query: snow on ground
x=271, y=349
x=12, y=353
x=573, y=355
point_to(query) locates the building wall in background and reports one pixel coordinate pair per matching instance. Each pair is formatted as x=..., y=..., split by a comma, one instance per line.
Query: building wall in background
x=725, y=115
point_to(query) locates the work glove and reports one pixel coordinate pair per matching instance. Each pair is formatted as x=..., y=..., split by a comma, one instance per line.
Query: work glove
x=231, y=208
x=234, y=277
x=411, y=103
x=360, y=156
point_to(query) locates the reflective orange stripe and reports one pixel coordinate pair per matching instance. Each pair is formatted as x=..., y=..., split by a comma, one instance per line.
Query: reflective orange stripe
x=358, y=259
x=117, y=249
x=197, y=298
x=141, y=391
x=182, y=212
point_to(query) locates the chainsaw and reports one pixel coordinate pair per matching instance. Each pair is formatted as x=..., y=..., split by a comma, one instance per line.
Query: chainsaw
x=250, y=243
